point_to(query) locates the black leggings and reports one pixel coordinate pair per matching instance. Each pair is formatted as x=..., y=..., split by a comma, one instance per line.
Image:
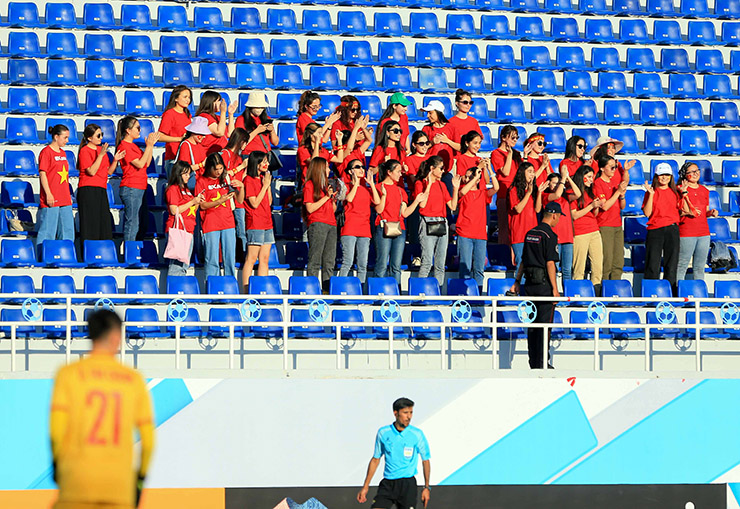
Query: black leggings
x=662, y=244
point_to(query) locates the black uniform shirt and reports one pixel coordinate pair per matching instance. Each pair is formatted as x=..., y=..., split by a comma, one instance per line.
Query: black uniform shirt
x=540, y=247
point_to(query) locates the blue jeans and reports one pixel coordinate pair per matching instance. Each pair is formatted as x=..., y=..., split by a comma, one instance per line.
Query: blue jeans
x=362, y=246
x=518, y=249
x=132, y=200
x=389, y=250
x=433, y=251
x=472, y=254
x=566, y=260
x=55, y=223
x=696, y=248
x=240, y=216
x=227, y=240
x=177, y=268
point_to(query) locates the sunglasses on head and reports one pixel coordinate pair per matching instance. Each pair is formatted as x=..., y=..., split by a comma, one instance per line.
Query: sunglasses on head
x=466, y=102
x=581, y=145
x=395, y=131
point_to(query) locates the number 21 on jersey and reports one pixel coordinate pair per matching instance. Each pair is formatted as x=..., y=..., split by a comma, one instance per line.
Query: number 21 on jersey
x=107, y=422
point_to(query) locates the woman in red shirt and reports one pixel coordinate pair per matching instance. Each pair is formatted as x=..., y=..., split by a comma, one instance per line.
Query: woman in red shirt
x=355, y=235
x=441, y=133
x=258, y=125
x=586, y=239
x=472, y=234
x=391, y=211
x=358, y=141
x=175, y=118
x=534, y=153
x=180, y=200
x=433, y=229
x=309, y=105
x=573, y=158
x=312, y=147
x=134, y=181
x=396, y=110
x=258, y=200
x=217, y=217
x=55, y=199
x=462, y=121
x=236, y=169
x=388, y=146
x=610, y=188
x=349, y=111
x=694, y=226
x=564, y=229
x=523, y=205
x=191, y=149
x=92, y=190
x=320, y=206
x=505, y=161
x=214, y=109
x=662, y=205
x=606, y=146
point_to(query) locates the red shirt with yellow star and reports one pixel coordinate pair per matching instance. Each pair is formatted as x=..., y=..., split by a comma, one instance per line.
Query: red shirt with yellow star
x=216, y=218
x=176, y=195
x=56, y=167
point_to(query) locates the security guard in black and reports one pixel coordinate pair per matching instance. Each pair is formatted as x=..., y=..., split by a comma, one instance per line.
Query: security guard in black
x=538, y=268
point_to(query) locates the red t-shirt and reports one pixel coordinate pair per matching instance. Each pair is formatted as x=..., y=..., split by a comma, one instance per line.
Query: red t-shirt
x=395, y=196
x=666, y=205
x=379, y=154
x=521, y=223
x=340, y=126
x=403, y=123
x=216, y=218
x=586, y=223
x=537, y=162
x=696, y=226
x=498, y=159
x=604, y=191
x=231, y=162
x=173, y=124
x=213, y=143
x=192, y=153
x=303, y=120
x=133, y=177
x=441, y=149
x=175, y=195
x=260, y=143
x=463, y=126
x=465, y=162
x=438, y=197
x=571, y=165
x=471, y=220
x=357, y=212
x=261, y=217
x=355, y=155
x=305, y=155
x=564, y=228
x=325, y=213
x=413, y=162
x=86, y=158
x=56, y=167
x=619, y=170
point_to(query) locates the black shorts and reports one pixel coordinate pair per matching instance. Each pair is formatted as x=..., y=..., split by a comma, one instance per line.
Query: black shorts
x=401, y=492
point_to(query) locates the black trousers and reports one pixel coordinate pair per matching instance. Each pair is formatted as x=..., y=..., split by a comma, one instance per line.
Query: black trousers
x=662, y=244
x=94, y=212
x=545, y=314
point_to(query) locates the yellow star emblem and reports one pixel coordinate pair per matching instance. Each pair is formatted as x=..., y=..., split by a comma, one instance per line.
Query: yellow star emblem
x=217, y=197
x=191, y=211
x=64, y=175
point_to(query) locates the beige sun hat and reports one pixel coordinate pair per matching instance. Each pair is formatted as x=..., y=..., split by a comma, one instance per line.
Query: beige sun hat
x=257, y=100
x=603, y=140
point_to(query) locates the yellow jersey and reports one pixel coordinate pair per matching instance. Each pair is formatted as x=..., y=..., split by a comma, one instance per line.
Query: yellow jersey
x=96, y=406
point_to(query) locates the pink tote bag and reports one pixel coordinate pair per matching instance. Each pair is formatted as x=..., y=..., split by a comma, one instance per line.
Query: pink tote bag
x=178, y=241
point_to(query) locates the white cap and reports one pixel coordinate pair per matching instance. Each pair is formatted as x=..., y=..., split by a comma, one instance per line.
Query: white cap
x=663, y=169
x=434, y=106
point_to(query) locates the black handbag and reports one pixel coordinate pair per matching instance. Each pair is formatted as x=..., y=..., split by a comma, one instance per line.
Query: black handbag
x=436, y=228
x=272, y=156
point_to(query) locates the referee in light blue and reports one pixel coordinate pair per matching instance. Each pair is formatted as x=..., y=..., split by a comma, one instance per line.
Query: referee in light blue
x=399, y=443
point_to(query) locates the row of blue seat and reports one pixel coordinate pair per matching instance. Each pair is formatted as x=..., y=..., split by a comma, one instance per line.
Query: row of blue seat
x=100, y=16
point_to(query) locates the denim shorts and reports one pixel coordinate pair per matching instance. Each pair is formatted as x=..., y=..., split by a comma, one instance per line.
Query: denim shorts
x=260, y=237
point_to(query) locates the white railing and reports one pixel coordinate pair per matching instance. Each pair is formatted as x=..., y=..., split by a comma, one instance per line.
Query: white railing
x=288, y=302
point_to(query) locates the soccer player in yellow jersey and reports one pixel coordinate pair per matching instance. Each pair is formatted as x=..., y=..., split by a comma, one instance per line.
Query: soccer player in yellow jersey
x=96, y=404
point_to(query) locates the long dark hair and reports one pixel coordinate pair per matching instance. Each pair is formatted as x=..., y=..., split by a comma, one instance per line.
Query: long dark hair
x=249, y=123
x=516, y=156
x=207, y=101
x=212, y=161
x=426, y=167
x=601, y=151
x=124, y=125
x=578, y=181
x=254, y=161
x=345, y=106
x=307, y=98
x=570, y=147
x=176, y=175
x=308, y=134
x=602, y=162
x=90, y=129
x=520, y=181
x=384, y=139
x=671, y=184
x=316, y=173
x=238, y=138
x=385, y=168
x=179, y=89
x=467, y=138
x=415, y=139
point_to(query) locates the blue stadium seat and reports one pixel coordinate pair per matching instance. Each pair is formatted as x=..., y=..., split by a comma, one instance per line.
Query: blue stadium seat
x=100, y=73
x=214, y=75
x=352, y=23
x=316, y=22
x=303, y=285
x=641, y=59
x=593, y=7
x=177, y=73
x=510, y=110
x=502, y=57
x=529, y=29
x=285, y=51
x=211, y=49
x=425, y=331
x=16, y=285
x=659, y=141
x=397, y=79
x=505, y=82
x=536, y=57
x=471, y=80
x=583, y=111
x=667, y=32
x=265, y=285
x=346, y=286
x=701, y=32
x=612, y=84
x=527, y=6
x=728, y=141
x=324, y=78
x=605, y=59
x=635, y=229
x=137, y=47
x=61, y=45
x=287, y=138
x=576, y=288
x=545, y=111
x=730, y=173
x=60, y=331
x=637, y=173
x=282, y=21
x=18, y=253
x=24, y=72
x=655, y=113
x=186, y=331
x=321, y=52
x=565, y=29
x=509, y=332
x=140, y=74
x=430, y=54
x=497, y=287
x=710, y=60
x=463, y=55
x=719, y=229
x=268, y=331
x=462, y=287
x=694, y=142
x=674, y=60
x=145, y=285
x=662, y=332
x=24, y=45
x=717, y=86
x=208, y=19
x=626, y=319
x=18, y=163
x=287, y=106
x=570, y=58
x=249, y=51
x=286, y=77
x=619, y=112
x=633, y=31
x=99, y=16
x=705, y=318
x=388, y=24
x=731, y=33
x=617, y=288
x=600, y=31
x=692, y=289
x=351, y=316
x=648, y=85
x=578, y=83
x=23, y=15
x=633, y=198
x=432, y=80
x=382, y=332
x=224, y=315
x=140, y=254
x=726, y=9
x=421, y=24
x=105, y=286
x=59, y=253
x=16, y=194
x=555, y=137
x=58, y=285
x=695, y=8
x=292, y=226
x=424, y=287
x=689, y=113
x=660, y=7
x=246, y=19
x=460, y=26
x=306, y=331
x=495, y=27
x=136, y=17
x=656, y=289
x=140, y=103
x=101, y=102
x=357, y=52
x=724, y=114
x=60, y=15
x=101, y=253
x=251, y=76
x=175, y=48
x=172, y=18
x=20, y=130
x=21, y=331
x=99, y=46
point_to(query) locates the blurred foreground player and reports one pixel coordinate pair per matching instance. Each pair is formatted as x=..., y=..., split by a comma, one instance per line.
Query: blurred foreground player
x=399, y=443
x=96, y=404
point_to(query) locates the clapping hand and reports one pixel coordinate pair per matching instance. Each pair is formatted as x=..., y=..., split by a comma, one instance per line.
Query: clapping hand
x=119, y=155
x=543, y=186
x=152, y=139
x=232, y=108
x=648, y=188
x=456, y=181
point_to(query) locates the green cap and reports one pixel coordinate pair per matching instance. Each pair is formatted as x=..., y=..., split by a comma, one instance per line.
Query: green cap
x=399, y=98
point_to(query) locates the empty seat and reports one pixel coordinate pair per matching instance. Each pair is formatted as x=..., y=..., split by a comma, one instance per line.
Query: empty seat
x=60, y=15
x=388, y=23
x=101, y=102
x=536, y=57
x=59, y=253
x=647, y=85
x=424, y=287
x=717, y=86
x=282, y=21
x=619, y=288
x=23, y=15
x=17, y=253
x=545, y=111
x=506, y=82
x=694, y=8
x=565, y=29
x=286, y=77
x=728, y=142
x=225, y=315
x=583, y=112
x=633, y=31
x=265, y=285
x=100, y=73
x=345, y=286
x=463, y=55
x=460, y=25
x=177, y=73
x=316, y=22
x=208, y=19
x=98, y=16
x=351, y=316
x=434, y=81
x=424, y=316
x=612, y=84
x=136, y=17
x=495, y=27
x=724, y=113
x=16, y=194
x=619, y=112
x=19, y=163
x=246, y=19
x=656, y=289
x=24, y=72
x=667, y=32
x=599, y=30
x=568, y=58
x=101, y=253
x=578, y=83
x=351, y=23
x=471, y=80
x=694, y=142
x=324, y=78
x=57, y=285
x=659, y=141
x=630, y=322
x=105, y=286
x=705, y=318
x=421, y=24
x=306, y=331
x=24, y=45
x=510, y=110
x=172, y=17
x=140, y=254
x=529, y=29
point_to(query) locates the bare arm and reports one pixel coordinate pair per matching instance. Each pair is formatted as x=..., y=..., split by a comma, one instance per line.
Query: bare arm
x=371, y=468
x=579, y=213
x=314, y=206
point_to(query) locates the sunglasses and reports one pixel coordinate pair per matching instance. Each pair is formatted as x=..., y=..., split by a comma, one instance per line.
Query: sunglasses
x=466, y=102
x=356, y=167
x=137, y=127
x=395, y=131
x=99, y=135
x=423, y=143
x=541, y=143
x=514, y=138
x=355, y=110
x=690, y=172
x=581, y=145
x=314, y=108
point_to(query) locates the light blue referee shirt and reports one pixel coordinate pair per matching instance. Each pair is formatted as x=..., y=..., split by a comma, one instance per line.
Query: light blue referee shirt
x=400, y=449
